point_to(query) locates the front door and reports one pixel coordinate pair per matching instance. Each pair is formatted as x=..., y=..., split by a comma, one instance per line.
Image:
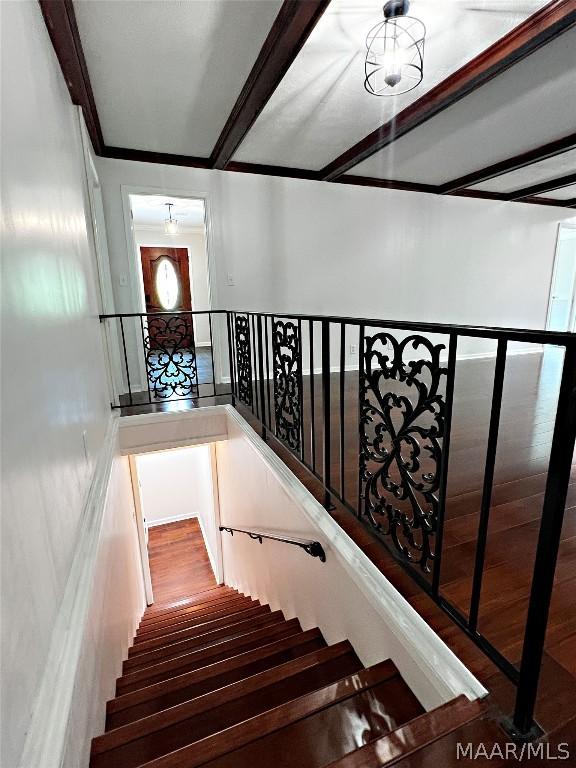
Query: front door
x=169, y=346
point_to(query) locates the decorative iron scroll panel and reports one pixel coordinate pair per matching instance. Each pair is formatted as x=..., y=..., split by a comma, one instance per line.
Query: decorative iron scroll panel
x=287, y=353
x=243, y=358
x=402, y=426
x=170, y=356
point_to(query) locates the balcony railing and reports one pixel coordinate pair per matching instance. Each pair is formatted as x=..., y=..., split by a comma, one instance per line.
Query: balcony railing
x=368, y=407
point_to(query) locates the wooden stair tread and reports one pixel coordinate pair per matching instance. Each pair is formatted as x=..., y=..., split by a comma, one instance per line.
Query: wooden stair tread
x=242, y=744
x=200, y=594
x=171, y=611
x=443, y=752
x=200, y=641
x=194, y=616
x=210, y=673
x=414, y=735
x=170, y=637
x=173, y=728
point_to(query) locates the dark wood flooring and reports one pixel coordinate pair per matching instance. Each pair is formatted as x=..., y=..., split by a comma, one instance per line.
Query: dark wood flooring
x=179, y=563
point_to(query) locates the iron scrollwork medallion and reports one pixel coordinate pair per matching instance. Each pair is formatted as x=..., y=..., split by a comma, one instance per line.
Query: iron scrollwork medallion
x=170, y=356
x=402, y=425
x=287, y=354
x=243, y=358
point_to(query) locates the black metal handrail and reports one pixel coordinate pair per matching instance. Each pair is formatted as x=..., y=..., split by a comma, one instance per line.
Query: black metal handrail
x=396, y=370
x=312, y=548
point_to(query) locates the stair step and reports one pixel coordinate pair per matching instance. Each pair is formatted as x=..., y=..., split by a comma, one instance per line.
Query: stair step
x=215, y=653
x=176, y=690
x=309, y=731
x=443, y=753
x=194, y=615
x=169, y=614
x=173, y=728
x=413, y=736
x=174, y=650
x=167, y=610
x=171, y=637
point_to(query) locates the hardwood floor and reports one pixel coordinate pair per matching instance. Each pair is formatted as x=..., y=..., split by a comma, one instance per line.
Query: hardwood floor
x=179, y=563
x=526, y=424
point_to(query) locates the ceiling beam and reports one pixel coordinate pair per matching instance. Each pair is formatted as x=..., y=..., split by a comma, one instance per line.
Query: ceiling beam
x=544, y=186
x=536, y=155
x=63, y=30
x=292, y=27
x=163, y=158
x=556, y=17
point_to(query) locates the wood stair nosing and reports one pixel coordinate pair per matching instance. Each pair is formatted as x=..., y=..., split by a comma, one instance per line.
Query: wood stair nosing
x=171, y=637
x=178, y=726
x=188, y=619
x=200, y=595
x=170, y=611
x=174, y=650
x=417, y=734
x=212, y=669
x=226, y=648
x=230, y=739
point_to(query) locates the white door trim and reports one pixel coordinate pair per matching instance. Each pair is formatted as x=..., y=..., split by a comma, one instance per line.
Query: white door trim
x=140, y=525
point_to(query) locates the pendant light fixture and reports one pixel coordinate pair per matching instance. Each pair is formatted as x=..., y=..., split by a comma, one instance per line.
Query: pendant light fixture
x=170, y=224
x=394, y=52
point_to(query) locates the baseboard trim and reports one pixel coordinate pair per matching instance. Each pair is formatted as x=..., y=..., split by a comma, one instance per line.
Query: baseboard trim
x=172, y=519
x=46, y=735
x=436, y=674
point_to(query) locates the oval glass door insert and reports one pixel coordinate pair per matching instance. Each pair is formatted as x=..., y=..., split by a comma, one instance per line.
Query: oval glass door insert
x=167, y=284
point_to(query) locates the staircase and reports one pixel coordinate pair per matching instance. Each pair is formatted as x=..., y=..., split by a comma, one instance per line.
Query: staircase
x=220, y=680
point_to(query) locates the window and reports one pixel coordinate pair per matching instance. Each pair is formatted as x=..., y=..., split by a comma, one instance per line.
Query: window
x=167, y=284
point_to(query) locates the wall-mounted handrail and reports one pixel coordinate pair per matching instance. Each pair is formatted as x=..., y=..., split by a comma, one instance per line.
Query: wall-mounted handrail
x=312, y=548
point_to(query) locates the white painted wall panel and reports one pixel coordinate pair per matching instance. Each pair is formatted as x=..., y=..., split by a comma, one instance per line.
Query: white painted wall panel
x=116, y=605
x=53, y=382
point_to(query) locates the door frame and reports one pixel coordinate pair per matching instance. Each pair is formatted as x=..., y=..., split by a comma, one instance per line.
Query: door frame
x=570, y=224
x=141, y=528
x=135, y=280
x=101, y=260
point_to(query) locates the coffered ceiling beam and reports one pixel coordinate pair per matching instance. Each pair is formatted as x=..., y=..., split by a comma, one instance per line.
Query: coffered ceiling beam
x=556, y=17
x=63, y=30
x=545, y=186
x=536, y=155
x=292, y=27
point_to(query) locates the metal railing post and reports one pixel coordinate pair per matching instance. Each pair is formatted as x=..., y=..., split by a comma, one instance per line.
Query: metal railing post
x=549, y=537
x=261, y=373
x=326, y=407
x=231, y=357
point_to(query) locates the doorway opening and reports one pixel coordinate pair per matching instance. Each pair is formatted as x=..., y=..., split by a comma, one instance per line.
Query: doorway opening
x=171, y=252
x=562, y=304
x=178, y=518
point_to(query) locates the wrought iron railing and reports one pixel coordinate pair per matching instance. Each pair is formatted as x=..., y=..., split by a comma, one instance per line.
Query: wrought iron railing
x=367, y=407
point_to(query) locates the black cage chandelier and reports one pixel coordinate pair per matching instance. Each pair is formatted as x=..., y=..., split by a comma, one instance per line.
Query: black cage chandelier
x=395, y=52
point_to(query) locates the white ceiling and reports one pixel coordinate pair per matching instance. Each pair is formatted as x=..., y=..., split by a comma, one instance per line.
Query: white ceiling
x=321, y=108
x=166, y=74
x=566, y=193
x=527, y=106
x=546, y=170
x=152, y=210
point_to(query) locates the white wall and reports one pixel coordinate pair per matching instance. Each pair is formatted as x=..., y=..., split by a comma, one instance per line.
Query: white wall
x=195, y=242
x=347, y=597
x=54, y=389
x=177, y=484
x=302, y=246
x=116, y=604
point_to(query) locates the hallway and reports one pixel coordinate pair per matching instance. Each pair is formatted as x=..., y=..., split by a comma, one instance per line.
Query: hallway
x=179, y=563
